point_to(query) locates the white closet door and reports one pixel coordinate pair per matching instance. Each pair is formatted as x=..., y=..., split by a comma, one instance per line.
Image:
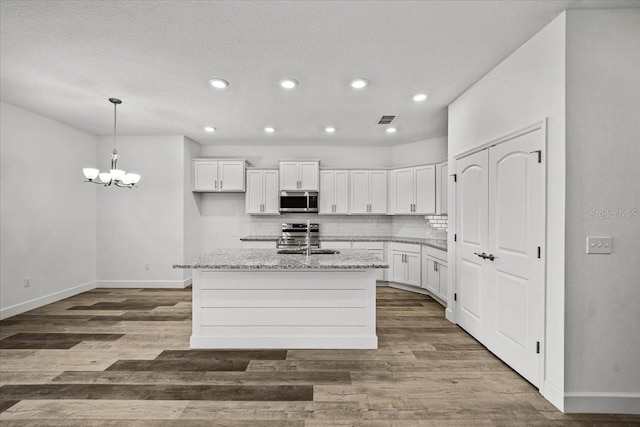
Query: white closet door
x=516, y=229
x=472, y=231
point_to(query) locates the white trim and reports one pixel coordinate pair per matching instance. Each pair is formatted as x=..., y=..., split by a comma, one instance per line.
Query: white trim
x=553, y=394
x=285, y=341
x=44, y=300
x=602, y=403
x=542, y=124
x=132, y=284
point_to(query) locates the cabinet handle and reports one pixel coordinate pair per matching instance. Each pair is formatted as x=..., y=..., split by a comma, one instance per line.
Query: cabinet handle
x=215, y=185
x=221, y=185
x=435, y=266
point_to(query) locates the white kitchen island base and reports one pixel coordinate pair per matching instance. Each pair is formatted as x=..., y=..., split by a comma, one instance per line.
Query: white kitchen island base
x=284, y=309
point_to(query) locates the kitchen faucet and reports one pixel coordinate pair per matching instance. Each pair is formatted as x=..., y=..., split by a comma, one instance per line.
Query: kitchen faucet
x=307, y=238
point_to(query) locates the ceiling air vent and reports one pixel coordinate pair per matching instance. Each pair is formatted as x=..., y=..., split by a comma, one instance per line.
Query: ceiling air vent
x=385, y=120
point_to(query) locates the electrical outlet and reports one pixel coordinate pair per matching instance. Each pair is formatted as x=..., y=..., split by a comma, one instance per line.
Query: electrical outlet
x=599, y=245
x=27, y=282
x=147, y=267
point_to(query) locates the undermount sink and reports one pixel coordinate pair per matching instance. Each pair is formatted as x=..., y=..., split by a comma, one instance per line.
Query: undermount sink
x=304, y=251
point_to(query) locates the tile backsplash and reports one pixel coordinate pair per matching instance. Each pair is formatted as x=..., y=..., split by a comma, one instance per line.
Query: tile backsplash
x=433, y=226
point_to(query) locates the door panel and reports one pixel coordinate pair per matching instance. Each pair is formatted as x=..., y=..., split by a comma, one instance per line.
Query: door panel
x=359, y=198
x=471, y=218
x=255, y=191
x=231, y=176
x=271, y=194
x=326, y=196
x=403, y=191
x=341, y=192
x=516, y=229
x=309, y=176
x=378, y=191
x=397, y=272
x=414, y=266
x=425, y=189
x=205, y=176
x=288, y=176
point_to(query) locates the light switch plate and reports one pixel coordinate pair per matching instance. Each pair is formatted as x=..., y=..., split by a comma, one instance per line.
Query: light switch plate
x=599, y=245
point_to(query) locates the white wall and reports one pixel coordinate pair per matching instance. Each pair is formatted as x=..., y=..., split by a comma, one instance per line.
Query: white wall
x=143, y=225
x=191, y=209
x=47, y=212
x=525, y=88
x=603, y=158
x=427, y=151
x=330, y=156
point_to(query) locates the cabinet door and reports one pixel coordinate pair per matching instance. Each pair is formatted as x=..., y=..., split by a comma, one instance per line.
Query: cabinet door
x=443, y=270
x=327, y=190
x=289, y=180
x=271, y=196
x=359, y=197
x=205, y=175
x=231, y=176
x=255, y=191
x=341, y=192
x=425, y=189
x=414, y=265
x=308, y=176
x=402, y=191
x=398, y=267
x=378, y=192
x=442, y=197
x=433, y=276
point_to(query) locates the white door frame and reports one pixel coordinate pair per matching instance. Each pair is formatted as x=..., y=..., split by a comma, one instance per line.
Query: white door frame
x=452, y=303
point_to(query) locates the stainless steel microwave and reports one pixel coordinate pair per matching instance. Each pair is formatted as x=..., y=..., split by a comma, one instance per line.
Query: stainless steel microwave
x=299, y=201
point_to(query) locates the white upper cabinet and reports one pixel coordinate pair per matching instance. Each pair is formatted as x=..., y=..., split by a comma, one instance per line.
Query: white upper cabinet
x=368, y=193
x=334, y=192
x=442, y=177
x=262, y=192
x=299, y=176
x=218, y=175
x=413, y=190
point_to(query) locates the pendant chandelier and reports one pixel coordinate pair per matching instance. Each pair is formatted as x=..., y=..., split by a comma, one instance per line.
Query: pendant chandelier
x=115, y=176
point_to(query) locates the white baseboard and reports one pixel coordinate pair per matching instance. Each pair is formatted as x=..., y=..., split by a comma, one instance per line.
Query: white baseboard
x=285, y=341
x=553, y=394
x=602, y=403
x=44, y=300
x=132, y=284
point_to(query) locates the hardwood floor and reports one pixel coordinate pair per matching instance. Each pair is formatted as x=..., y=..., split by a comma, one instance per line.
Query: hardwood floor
x=121, y=357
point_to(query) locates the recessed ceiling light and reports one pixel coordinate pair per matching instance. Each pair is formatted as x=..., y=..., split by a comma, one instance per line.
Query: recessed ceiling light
x=391, y=130
x=419, y=97
x=330, y=129
x=269, y=129
x=209, y=129
x=219, y=83
x=288, y=83
x=359, y=83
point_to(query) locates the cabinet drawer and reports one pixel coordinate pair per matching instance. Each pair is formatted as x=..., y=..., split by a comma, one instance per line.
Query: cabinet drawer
x=435, y=253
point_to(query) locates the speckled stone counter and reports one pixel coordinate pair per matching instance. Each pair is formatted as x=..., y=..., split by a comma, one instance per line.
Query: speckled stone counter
x=434, y=243
x=269, y=259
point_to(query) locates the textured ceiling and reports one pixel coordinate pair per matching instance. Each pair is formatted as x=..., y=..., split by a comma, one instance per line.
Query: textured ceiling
x=63, y=59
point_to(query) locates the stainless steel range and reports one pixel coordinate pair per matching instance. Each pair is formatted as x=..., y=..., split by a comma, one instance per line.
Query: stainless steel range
x=295, y=234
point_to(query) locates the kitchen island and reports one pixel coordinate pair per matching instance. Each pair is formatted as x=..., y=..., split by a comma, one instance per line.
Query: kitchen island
x=257, y=298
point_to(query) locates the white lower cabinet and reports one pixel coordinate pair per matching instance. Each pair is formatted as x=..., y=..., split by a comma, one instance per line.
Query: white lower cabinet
x=434, y=272
x=405, y=263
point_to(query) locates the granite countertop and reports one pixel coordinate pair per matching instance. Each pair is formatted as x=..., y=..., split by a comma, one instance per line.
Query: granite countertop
x=269, y=259
x=434, y=243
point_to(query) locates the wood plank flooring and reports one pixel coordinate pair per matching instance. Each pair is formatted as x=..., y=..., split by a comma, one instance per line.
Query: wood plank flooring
x=119, y=357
